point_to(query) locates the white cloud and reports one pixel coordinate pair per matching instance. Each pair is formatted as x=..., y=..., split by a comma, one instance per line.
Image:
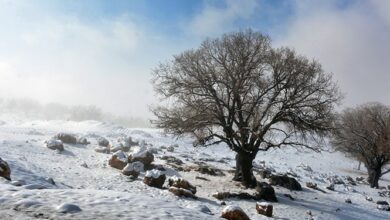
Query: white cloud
x=353, y=43
x=214, y=20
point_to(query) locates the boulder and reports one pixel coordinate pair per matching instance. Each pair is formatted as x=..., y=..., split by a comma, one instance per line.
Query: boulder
x=335, y=180
x=118, y=160
x=232, y=212
x=181, y=192
x=171, y=149
x=349, y=201
x=285, y=181
x=383, y=206
x=265, y=191
x=181, y=183
x=5, y=170
x=330, y=187
x=68, y=208
x=154, y=178
x=133, y=169
x=172, y=160
x=143, y=155
x=103, y=142
x=264, y=208
x=116, y=147
x=311, y=185
x=83, y=141
x=55, y=144
x=101, y=149
x=212, y=171
x=66, y=138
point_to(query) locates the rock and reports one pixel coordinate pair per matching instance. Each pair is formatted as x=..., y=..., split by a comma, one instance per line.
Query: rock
x=223, y=203
x=143, y=155
x=83, y=141
x=221, y=195
x=212, y=171
x=54, y=144
x=172, y=160
x=181, y=192
x=133, y=169
x=181, y=183
x=5, y=170
x=50, y=180
x=265, y=173
x=66, y=138
x=234, y=213
x=171, y=149
x=305, y=167
x=264, y=208
x=360, y=179
x=103, y=142
x=154, y=178
x=18, y=183
x=203, y=208
x=351, y=180
x=118, y=160
x=68, y=208
x=201, y=178
x=335, y=180
x=285, y=181
x=311, y=185
x=330, y=187
x=101, y=149
x=116, y=147
x=383, y=206
x=382, y=202
x=289, y=196
x=349, y=201
x=265, y=191
x=84, y=165
x=368, y=198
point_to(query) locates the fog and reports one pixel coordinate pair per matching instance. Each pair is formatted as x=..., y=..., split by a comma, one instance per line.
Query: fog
x=78, y=53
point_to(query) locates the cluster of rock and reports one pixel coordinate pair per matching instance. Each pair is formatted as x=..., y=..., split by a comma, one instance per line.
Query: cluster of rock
x=122, y=144
x=57, y=142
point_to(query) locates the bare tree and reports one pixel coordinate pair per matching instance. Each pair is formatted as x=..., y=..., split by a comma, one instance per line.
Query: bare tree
x=240, y=91
x=364, y=133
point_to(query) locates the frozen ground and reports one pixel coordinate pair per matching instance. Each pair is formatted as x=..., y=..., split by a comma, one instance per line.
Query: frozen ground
x=83, y=178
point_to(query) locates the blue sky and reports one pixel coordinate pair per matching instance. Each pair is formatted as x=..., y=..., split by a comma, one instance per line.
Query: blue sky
x=102, y=52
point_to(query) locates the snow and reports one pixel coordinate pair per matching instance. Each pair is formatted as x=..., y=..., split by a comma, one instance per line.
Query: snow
x=103, y=191
x=231, y=208
x=153, y=173
x=135, y=166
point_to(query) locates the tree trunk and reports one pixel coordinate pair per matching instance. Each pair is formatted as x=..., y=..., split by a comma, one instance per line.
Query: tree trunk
x=373, y=176
x=244, y=172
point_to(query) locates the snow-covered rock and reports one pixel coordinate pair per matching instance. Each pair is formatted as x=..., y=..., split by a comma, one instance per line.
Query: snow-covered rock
x=154, y=178
x=55, y=144
x=264, y=208
x=181, y=183
x=133, y=169
x=5, y=170
x=101, y=149
x=233, y=212
x=118, y=160
x=68, y=208
x=181, y=192
x=83, y=141
x=103, y=142
x=143, y=155
x=66, y=138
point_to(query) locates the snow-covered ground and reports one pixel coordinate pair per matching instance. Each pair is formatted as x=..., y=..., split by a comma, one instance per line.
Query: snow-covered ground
x=83, y=178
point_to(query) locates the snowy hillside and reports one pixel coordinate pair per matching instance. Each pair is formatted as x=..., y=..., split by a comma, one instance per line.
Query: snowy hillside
x=46, y=183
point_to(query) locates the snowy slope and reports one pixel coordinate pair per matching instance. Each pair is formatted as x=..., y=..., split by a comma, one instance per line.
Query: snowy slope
x=83, y=178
